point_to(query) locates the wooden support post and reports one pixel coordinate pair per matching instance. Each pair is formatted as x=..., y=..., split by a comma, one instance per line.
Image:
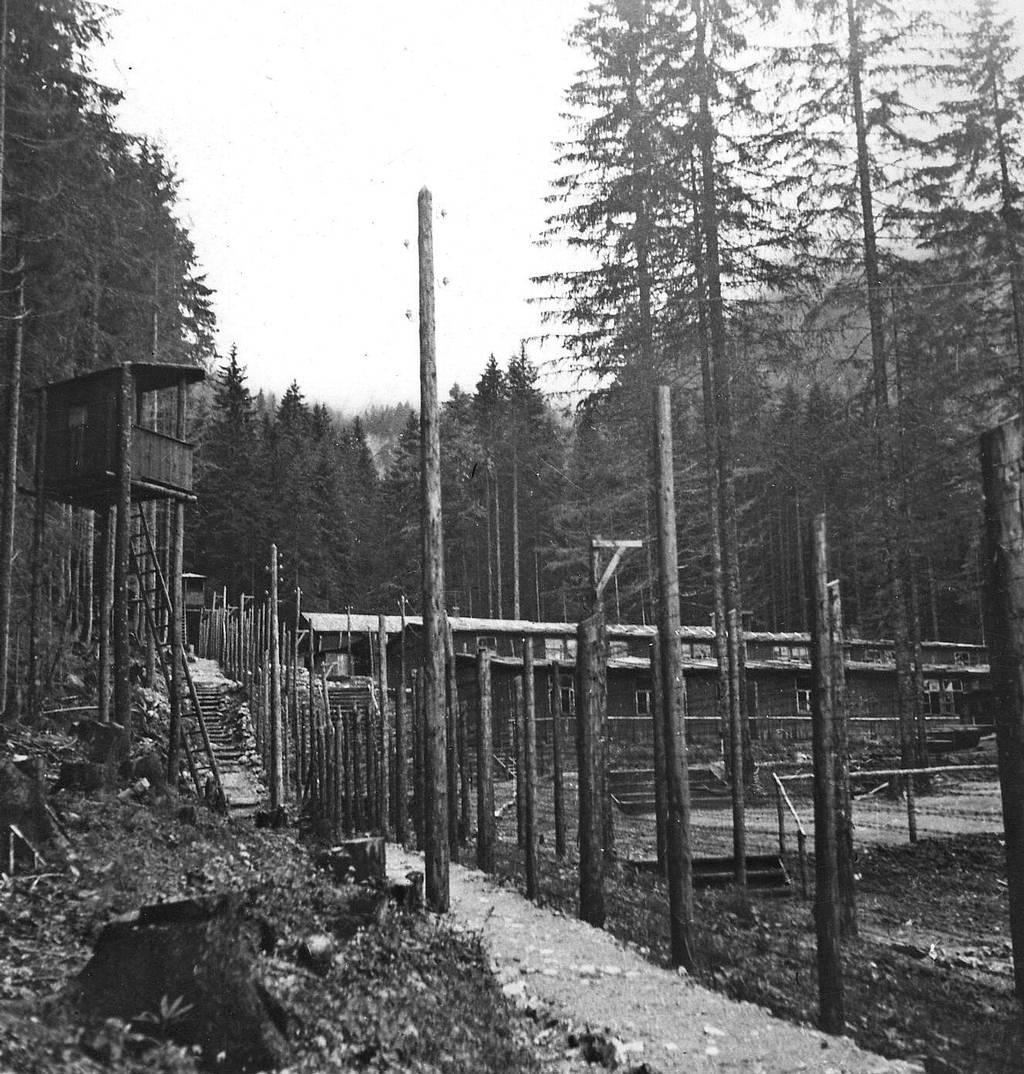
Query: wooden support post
x=436, y=778
x=530, y=770
x=401, y=761
x=297, y=722
x=311, y=712
x=417, y=757
x=844, y=796
x=451, y=738
x=122, y=539
x=660, y=779
x=465, y=805
x=780, y=810
x=826, y=887
x=339, y=814
x=1002, y=449
x=558, y=759
x=484, y=771
x=386, y=745
x=176, y=639
x=106, y=604
x=677, y=831
x=276, y=736
x=591, y=661
x=519, y=751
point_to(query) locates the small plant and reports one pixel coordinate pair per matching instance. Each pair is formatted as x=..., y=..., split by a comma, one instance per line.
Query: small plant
x=164, y=1019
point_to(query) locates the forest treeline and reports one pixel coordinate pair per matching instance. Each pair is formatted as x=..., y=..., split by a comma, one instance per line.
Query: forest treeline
x=808, y=221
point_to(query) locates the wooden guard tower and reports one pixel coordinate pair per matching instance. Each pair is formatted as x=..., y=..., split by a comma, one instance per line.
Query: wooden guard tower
x=95, y=450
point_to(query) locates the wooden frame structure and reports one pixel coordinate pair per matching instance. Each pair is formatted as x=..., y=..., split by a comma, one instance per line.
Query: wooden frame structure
x=95, y=450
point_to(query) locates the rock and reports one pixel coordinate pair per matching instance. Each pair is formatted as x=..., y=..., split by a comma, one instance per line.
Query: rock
x=150, y=766
x=81, y=776
x=199, y=954
x=105, y=743
x=316, y=953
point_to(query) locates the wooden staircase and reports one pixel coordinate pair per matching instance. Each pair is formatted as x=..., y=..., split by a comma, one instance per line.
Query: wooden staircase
x=632, y=790
x=200, y=753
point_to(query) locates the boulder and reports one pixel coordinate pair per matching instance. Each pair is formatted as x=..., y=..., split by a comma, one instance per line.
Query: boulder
x=198, y=958
x=81, y=776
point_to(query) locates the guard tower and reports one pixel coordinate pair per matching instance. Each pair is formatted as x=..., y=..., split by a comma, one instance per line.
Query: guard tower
x=96, y=450
x=97, y=443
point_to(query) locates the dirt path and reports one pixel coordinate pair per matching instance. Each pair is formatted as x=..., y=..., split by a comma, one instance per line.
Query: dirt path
x=589, y=978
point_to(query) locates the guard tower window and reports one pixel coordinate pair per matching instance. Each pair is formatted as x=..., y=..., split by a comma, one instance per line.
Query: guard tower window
x=643, y=703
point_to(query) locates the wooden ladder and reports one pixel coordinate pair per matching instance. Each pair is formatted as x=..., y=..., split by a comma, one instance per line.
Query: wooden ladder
x=157, y=604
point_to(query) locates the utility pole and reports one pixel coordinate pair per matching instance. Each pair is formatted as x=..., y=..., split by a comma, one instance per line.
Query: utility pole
x=679, y=872
x=436, y=777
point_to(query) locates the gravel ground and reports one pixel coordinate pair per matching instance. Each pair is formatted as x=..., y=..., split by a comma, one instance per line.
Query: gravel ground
x=663, y=1018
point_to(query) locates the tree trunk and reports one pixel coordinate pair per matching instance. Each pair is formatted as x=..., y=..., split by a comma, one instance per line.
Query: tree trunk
x=9, y=492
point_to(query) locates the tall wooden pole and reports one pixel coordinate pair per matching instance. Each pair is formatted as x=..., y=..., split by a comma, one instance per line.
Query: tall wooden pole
x=177, y=511
x=530, y=769
x=122, y=538
x=673, y=691
x=276, y=743
x=436, y=827
x=1002, y=449
x=484, y=772
x=557, y=758
x=826, y=887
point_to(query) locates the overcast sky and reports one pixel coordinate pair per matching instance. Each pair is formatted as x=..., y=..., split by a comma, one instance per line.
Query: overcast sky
x=302, y=132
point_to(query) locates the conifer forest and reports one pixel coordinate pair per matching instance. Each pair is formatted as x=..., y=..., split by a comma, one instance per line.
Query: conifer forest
x=818, y=242
x=783, y=279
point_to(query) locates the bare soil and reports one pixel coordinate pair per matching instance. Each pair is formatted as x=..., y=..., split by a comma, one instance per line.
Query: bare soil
x=927, y=979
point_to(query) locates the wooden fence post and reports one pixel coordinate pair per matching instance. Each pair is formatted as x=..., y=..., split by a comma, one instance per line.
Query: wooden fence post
x=465, y=805
x=557, y=758
x=844, y=796
x=401, y=760
x=677, y=790
x=591, y=689
x=519, y=744
x=826, y=885
x=385, y=718
x=276, y=738
x=660, y=776
x=484, y=771
x=530, y=770
x=451, y=739
x=417, y=756
x=1003, y=487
